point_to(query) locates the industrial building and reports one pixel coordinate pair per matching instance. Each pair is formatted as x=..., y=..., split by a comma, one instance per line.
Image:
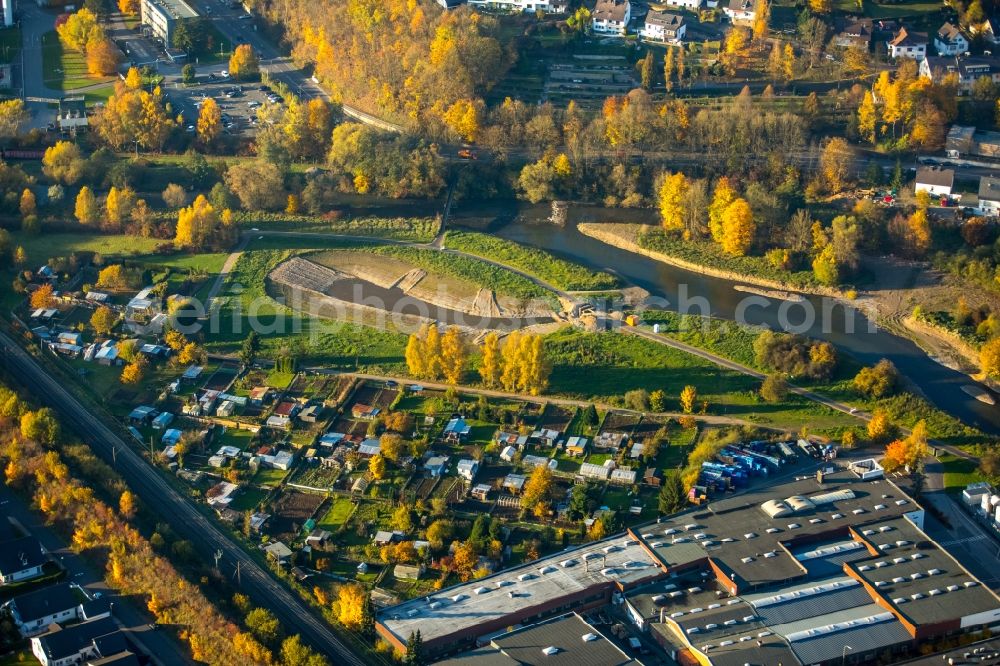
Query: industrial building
x=786, y=573
x=162, y=16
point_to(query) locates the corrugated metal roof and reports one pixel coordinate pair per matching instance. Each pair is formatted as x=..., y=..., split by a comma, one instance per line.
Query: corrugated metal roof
x=820, y=604
x=862, y=639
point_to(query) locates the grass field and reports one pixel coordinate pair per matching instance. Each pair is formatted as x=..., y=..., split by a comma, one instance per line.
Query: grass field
x=562, y=274
x=41, y=248
x=337, y=515
x=419, y=229
x=63, y=69
x=958, y=472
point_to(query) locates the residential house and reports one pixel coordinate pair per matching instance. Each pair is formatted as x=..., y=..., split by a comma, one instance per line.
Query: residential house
x=511, y=5
x=70, y=337
x=21, y=559
x=989, y=195
x=594, y=471
x=332, y=439
x=949, y=41
x=457, y=430
x=154, y=352
x=611, y=17
x=623, y=476
x=225, y=409
x=991, y=31
x=663, y=27
x=505, y=438
x=35, y=611
x=319, y=539
x=95, y=640
x=576, y=446
x=311, y=413
x=282, y=460
x=934, y=180
x=652, y=477
x=436, y=465
x=514, y=482
x=742, y=11
x=257, y=521
x=278, y=422
x=856, y=35
x=480, y=491
x=908, y=44
x=691, y=5
x=968, y=69
x=287, y=408
x=221, y=494
x=364, y=412
x=467, y=469
x=508, y=453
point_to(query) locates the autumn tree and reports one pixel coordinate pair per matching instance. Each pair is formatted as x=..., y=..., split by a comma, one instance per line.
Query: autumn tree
x=118, y=206
x=134, y=372
x=673, y=191
x=127, y=504
x=244, y=64
x=774, y=388
x=825, y=267
x=77, y=31
x=42, y=297
x=86, y=210
x=909, y=452
x=133, y=116
x=27, y=204
x=13, y=116
x=880, y=428
x=722, y=197
x=989, y=357
x=377, y=467
x=689, y=397
x=257, y=184
x=453, y=355
x=199, y=225
x=868, y=118
x=463, y=118
x=538, y=488
x=738, y=228
x=351, y=605
x=64, y=162
x=878, y=381
x=102, y=56
x=103, y=320
x=209, y=122
x=129, y=7
x=835, y=164
x=113, y=277
x=491, y=365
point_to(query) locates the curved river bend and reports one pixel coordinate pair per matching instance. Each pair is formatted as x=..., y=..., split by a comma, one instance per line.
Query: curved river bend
x=849, y=330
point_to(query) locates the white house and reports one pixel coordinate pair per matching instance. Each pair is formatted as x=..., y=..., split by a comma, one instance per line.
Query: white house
x=989, y=195
x=436, y=465
x=467, y=469
x=515, y=5
x=949, y=40
x=691, y=5
x=21, y=559
x=35, y=611
x=611, y=17
x=663, y=27
x=508, y=453
x=906, y=44
x=740, y=10
x=934, y=180
x=64, y=646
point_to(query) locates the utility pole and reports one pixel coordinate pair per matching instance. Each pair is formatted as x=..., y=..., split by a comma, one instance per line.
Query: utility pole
x=218, y=556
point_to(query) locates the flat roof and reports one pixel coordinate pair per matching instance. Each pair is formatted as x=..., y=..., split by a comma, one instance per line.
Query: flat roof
x=177, y=9
x=576, y=641
x=619, y=559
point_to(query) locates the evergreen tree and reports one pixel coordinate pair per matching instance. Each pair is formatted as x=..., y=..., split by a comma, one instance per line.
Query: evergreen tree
x=672, y=497
x=250, y=348
x=414, y=650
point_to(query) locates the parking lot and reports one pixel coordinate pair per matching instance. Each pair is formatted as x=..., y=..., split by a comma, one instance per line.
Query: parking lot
x=238, y=101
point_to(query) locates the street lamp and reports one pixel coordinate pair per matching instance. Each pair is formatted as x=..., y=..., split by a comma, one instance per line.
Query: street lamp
x=843, y=654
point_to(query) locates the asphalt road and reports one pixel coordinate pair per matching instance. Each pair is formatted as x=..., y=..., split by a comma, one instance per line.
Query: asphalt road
x=159, y=645
x=173, y=507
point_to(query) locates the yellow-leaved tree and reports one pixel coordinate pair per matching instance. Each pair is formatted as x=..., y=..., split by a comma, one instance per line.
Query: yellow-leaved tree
x=738, y=228
x=196, y=224
x=453, y=355
x=490, y=367
x=86, y=210
x=689, y=396
x=209, y=122
x=243, y=64
x=463, y=118
x=672, y=192
x=723, y=195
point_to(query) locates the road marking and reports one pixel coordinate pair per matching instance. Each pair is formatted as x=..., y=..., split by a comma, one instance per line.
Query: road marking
x=971, y=539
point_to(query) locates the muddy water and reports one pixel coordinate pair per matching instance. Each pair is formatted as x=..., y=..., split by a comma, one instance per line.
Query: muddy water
x=683, y=290
x=397, y=302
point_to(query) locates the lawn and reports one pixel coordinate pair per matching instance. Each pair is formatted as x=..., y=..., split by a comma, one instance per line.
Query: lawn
x=420, y=229
x=268, y=476
x=279, y=380
x=248, y=499
x=237, y=437
x=561, y=274
x=958, y=472
x=18, y=658
x=65, y=70
x=41, y=248
x=895, y=10
x=208, y=262
x=337, y=515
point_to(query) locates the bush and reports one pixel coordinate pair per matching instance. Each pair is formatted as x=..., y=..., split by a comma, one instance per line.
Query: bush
x=878, y=381
x=795, y=355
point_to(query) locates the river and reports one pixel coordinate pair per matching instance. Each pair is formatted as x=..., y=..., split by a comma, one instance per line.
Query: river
x=848, y=329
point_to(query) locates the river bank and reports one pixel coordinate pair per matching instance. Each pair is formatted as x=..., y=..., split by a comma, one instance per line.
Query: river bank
x=626, y=237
